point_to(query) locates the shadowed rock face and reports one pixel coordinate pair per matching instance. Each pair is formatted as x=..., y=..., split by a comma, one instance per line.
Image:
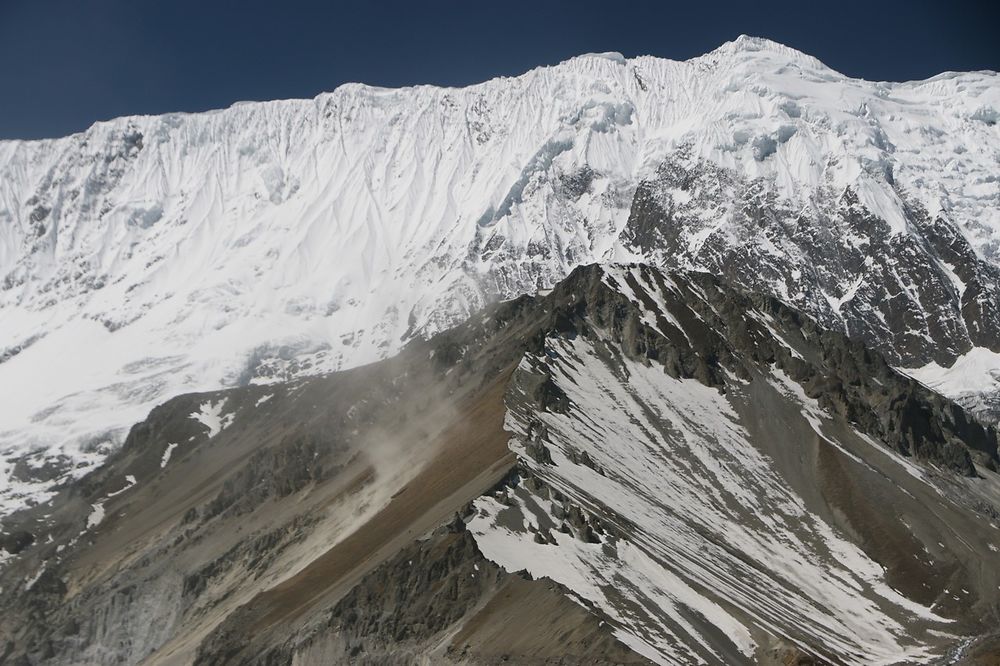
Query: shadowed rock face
x=297, y=523
x=917, y=296
x=406, y=609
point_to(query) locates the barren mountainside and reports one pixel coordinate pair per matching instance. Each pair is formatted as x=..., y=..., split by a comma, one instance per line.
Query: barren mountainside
x=638, y=467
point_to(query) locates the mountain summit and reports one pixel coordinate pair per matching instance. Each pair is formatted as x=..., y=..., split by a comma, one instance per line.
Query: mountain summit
x=152, y=256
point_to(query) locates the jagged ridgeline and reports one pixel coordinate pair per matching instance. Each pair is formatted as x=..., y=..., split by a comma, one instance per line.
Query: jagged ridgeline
x=637, y=467
x=279, y=240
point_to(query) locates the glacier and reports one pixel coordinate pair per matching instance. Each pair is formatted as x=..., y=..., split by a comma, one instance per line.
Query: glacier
x=155, y=255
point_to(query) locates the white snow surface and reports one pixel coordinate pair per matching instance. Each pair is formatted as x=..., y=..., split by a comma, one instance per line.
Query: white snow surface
x=707, y=517
x=96, y=515
x=210, y=415
x=975, y=372
x=167, y=452
x=155, y=255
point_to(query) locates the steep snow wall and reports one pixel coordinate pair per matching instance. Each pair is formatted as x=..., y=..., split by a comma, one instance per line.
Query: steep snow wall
x=150, y=256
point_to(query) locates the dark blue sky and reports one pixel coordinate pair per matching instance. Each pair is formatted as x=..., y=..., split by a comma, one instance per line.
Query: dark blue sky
x=67, y=63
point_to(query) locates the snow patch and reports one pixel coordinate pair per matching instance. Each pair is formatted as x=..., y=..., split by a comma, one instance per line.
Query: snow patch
x=166, y=455
x=129, y=482
x=210, y=415
x=30, y=582
x=96, y=515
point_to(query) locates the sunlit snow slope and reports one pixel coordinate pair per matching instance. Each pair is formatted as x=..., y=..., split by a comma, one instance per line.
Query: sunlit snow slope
x=150, y=256
x=727, y=517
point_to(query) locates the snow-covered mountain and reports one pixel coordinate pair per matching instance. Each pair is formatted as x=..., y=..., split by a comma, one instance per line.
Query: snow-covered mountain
x=682, y=473
x=150, y=256
x=693, y=470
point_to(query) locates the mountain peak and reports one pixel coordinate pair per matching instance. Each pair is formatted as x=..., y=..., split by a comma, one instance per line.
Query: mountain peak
x=748, y=44
x=754, y=43
x=435, y=201
x=613, y=56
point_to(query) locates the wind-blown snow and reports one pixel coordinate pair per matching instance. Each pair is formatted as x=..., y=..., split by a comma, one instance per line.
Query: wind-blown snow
x=152, y=256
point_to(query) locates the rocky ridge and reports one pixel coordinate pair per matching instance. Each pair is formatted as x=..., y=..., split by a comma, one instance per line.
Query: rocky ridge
x=275, y=523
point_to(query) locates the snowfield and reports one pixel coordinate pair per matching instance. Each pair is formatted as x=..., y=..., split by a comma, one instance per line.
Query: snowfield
x=151, y=256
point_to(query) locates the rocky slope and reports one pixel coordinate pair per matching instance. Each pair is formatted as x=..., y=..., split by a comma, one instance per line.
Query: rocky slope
x=277, y=240
x=645, y=467
x=728, y=481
